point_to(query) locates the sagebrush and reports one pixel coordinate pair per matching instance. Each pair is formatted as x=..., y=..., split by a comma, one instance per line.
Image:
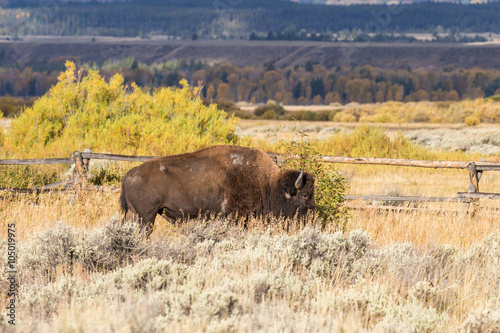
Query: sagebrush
x=236, y=279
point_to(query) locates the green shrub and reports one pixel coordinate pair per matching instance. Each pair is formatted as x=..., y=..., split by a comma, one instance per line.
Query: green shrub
x=45, y=301
x=241, y=114
x=305, y=115
x=270, y=115
x=110, y=246
x=288, y=116
x=12, y=106
x=411, y=317
x=27, y=176
x=104, y=172
x=104, y=175
x=309, y=116
x=330, y=186
x=323, y=252
x=225, y=105
x=368, y=141
x=105, y=248
x=150, y=272
x=323, y=115
x=277, y=109
x=51, y=248
x=495, y=98
x=333, y=113
x=485, y=319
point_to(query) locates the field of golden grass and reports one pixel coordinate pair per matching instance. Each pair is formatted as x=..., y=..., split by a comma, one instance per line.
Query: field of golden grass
x=410, y=271
x=90, y=209
x=429, y=270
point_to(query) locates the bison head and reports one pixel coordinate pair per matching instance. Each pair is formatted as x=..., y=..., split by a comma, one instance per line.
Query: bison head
x=296, y=193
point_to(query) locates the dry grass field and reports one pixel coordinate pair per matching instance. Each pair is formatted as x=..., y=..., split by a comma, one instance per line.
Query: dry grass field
x=428, y=270
x=432, y=270
x=85, y=211
x=482, y=141
x=400, y=272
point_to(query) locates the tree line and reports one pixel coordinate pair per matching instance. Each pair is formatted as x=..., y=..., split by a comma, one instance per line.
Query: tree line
x=315, y=84
x=309, y=83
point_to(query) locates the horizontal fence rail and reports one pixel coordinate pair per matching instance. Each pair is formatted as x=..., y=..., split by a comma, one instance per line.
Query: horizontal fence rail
x=114, y=157
x=480, y=166
x=406, y=198
x=478, y=195
x=61, y=185
x=111, y=157
x=38, y=161
x=81, y=160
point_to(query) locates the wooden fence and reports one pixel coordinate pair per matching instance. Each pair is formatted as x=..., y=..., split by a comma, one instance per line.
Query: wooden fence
x=82, y=159
x=475, y=170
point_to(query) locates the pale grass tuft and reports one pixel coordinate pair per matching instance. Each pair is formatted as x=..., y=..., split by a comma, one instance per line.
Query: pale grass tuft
x=484, y=319
x=52, y=249
x=111, y=245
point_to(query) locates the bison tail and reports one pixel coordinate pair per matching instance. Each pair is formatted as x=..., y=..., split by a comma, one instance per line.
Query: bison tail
x=123, y=202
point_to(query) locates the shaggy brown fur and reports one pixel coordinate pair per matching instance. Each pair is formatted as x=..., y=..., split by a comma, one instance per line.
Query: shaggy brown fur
x=220, y=179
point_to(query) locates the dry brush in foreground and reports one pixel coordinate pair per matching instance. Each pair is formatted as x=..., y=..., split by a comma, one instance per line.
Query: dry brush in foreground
x=215, y=276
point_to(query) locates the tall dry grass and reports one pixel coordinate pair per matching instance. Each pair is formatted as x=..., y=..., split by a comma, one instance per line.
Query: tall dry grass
x=430, y=226
x=412, y=271
x=411, y=181
x=34, y=213
x=209, y=276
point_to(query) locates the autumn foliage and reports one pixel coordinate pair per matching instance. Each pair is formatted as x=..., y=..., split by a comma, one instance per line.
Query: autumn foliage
x=83, y=110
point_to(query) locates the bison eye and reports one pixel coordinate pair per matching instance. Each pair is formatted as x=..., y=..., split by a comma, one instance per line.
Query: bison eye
x=305, y=196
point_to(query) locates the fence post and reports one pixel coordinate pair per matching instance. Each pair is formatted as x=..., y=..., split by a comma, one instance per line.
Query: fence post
x=86, y=164
x=81, y=170
x=475, y=177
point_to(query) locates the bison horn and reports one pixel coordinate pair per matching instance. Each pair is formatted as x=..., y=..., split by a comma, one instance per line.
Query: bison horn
x=299, y=183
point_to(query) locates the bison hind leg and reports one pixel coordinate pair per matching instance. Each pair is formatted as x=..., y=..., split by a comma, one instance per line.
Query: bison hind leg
x=130, y=215
x=145, y=220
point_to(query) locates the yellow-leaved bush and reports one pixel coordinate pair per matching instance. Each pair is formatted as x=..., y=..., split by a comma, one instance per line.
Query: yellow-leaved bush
x=84, y=111
x=470, y=112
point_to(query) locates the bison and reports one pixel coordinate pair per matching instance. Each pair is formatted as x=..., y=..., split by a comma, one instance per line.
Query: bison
x=221, y=179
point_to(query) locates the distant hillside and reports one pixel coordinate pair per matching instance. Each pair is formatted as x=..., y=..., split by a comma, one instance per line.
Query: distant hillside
x=306, y=2
x=391, y=2
x=39, y=51
x=223, y=19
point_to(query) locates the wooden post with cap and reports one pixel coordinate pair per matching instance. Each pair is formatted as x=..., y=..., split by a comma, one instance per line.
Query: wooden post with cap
x=475, y=177
x=81, y=170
